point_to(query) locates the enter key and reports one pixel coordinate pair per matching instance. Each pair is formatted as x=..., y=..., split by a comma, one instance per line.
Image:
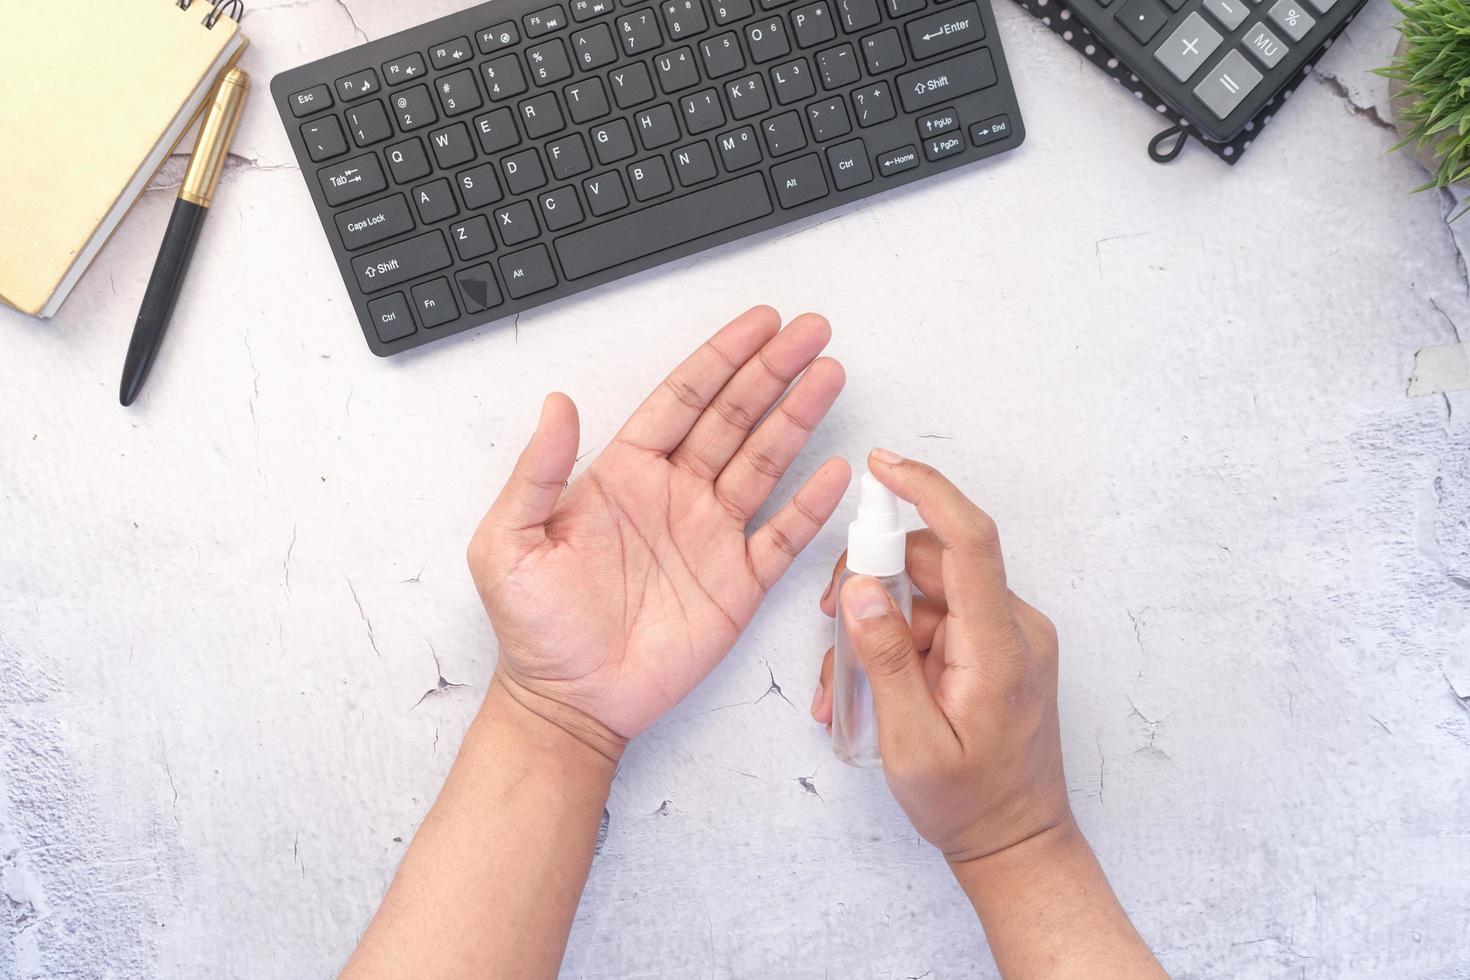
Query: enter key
x=951, y=28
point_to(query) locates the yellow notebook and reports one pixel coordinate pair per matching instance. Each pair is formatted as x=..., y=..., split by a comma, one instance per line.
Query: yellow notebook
x=96, y=95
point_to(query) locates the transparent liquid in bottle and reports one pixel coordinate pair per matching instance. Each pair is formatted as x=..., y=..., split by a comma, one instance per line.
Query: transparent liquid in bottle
x=854, y=722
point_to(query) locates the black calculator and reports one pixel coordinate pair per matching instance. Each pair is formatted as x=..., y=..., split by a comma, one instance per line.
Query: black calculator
x=1216, y=62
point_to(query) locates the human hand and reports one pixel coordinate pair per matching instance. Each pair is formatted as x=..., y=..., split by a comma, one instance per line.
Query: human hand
x=612, y=597
x=966, y=699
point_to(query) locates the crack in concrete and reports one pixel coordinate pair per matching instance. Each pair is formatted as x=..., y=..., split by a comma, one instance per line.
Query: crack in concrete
x=365, y=621
x=286, y=563
x=440, y=686
x=1368, y=112
x=361, y=34
x=773, y=689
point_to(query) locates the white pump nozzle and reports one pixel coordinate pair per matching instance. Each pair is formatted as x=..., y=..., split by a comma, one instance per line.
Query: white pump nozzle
x=875, y=541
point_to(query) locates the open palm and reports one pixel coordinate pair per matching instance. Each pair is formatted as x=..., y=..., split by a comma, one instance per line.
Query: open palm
x=615, y=595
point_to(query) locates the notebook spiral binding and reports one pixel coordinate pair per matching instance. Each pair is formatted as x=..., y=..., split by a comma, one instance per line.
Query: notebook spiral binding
x=233, y=9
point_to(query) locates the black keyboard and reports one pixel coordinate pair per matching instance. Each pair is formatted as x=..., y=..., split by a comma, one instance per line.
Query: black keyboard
x=514, y=153
x=1216, y=62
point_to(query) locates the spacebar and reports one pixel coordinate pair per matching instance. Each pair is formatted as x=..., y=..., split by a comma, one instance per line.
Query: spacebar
x=663, y=226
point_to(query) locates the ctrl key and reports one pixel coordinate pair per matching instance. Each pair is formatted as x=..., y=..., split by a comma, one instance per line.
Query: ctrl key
x=391, y=318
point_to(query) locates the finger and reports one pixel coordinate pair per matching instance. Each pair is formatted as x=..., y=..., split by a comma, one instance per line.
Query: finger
x=934, y=658
x=908, y=717
x=771, y=549
x=750, y=394
x=922, y=552
x=924, y=621
x=541, y=472
x=667, y=414
x=761, y=462
x=822, y=698
x=973, y=574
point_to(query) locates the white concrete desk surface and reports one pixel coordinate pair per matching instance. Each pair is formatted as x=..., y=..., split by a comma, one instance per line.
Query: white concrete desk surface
x=238, y=643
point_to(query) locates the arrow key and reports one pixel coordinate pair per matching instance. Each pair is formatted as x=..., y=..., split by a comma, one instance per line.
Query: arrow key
x=478, y=288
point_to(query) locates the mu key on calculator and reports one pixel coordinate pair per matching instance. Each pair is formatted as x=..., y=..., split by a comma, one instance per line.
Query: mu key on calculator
x=518, y=151
x=1217, y=62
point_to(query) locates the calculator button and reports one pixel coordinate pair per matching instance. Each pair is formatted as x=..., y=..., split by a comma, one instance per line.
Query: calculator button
x=373, y=223
x=472, y=239
x=357, y=85
x=1321, y=6
x=544, y=21
x=450, y=53
x=369, y=123
x=899, y=160
x=1228, y=84
x=849, y=163
x=1264, y=46
x=800, y=181
x=944, y=80
x=352, y=179
x=1292, y=19
x=310, y=100
x=401, y=261
x=1184, y=51
x=408, y=161
x=1142, y=19
x=943, y=146
x=951, y=28
x=477, y=287
x=990, y=130
x=404, y=69
x=492, y=39
x=323, y=139
x=1228, y=12
x=391, y=319
x=938, y=123
x=527, y=272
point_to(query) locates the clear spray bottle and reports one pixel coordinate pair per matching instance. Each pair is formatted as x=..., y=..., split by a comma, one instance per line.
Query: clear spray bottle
x=875, y=546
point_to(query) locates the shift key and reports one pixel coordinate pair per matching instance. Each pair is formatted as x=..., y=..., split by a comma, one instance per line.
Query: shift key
x=946, y=80
x=401, y=262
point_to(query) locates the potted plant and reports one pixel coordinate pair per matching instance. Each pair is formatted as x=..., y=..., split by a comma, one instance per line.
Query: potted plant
x=1429, y=87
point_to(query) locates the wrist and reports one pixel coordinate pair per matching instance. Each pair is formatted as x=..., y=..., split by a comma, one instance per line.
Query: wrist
x=1051, y=849
x=566, y=736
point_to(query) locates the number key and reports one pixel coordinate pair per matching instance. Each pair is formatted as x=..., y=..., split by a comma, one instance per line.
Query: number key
x=503, y=77
x=729, y=11
x=684, y=18
x=414, y=109
x=639, y=32
x=594, y=47
x=458, y=92
x=549, y=62
x=369, y=123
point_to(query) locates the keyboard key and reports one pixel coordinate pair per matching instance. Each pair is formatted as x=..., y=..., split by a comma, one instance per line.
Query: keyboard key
x=839, y=66
x=1184, y=51
x=649, y=178
x=739, y=149
x=323, y=138
x=650, y=230
x=478, y=186
x=310, y=100
x=542, y=115
x=940, y=147
x=1228, y=12
x=1292, y=19
x=503, y=77
x=1227, y=84
x=586, y=100
x=1264, y=46
x=472, y=238
x=527, y=272
x=828, y=119
x=897, y=161
x=584, y=10
x=954, y=27
x=694, y=164
x=560, y=209
x=729, y=11
x=858, y=15
x=676, y=70
x=435, y=303
x=544, y=21
x=492, y=39
x=451, y=145
x=938, y=123
x=458, y=92
x=391, y=319
x=1142, y=19
x=408, y=161
x=414, y=109
x=990, y=130
x=612, y=141
x=568, y=156
x=605, y=193
x=404, y=69
x=902, y=8
x=767, y=40
x=435, y=201
x=357, y=85
x=799, y=181
x=352, y=179
x=401, y=261
x=702, y=111
x=747, y=96
x=784, y=134
x=594, y=47
x=477, y=288
x=722, y=55
x=683, y=18
x=657, y=127
x=369, y=224
x=523, y=171
x=883, y=52
x=631, y=85
x=1321, y=6
x=874, y=104
x=549, y=62
x=849, y=163
x=792, y=82
x=942, y=81
x=450, y=53
x=497, y=130
x=517, y=223
x=639, y=32
x=813, y=25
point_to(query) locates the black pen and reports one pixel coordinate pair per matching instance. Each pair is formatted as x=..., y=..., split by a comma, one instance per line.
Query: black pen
x=200, y=179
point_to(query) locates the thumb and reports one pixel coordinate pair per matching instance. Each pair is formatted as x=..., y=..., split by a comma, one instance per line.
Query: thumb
x=536, y=483
x=885, y=645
